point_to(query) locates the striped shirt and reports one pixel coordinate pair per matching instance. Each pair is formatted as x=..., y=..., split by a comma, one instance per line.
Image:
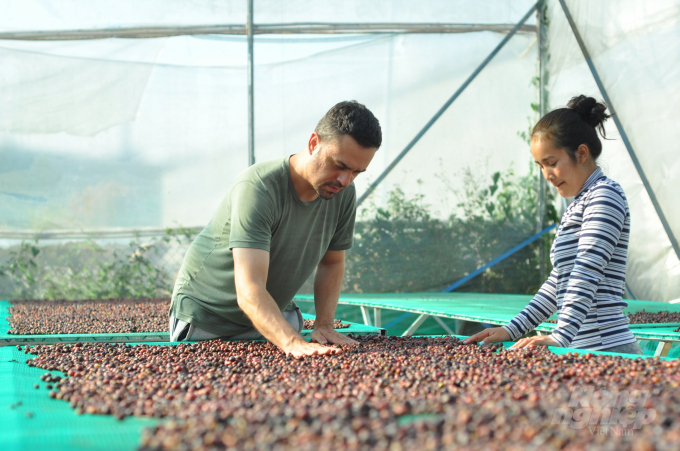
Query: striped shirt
x=588, y=278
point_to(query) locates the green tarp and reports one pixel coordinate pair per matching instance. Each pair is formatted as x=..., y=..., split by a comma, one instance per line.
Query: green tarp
x=496, y=309
x=54, y=426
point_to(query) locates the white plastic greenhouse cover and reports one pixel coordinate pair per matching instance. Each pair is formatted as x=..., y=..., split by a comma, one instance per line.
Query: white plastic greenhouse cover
x=36, y=15
x=635, y=47
x=150, y=132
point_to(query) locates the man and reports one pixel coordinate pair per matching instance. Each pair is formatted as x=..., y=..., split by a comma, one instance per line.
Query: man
x=281, y=220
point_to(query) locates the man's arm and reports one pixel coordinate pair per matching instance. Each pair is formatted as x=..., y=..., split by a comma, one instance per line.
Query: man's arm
x=327, y=283
x=251, y=267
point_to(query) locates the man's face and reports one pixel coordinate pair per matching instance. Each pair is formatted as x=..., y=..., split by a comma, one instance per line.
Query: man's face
x=336, y=163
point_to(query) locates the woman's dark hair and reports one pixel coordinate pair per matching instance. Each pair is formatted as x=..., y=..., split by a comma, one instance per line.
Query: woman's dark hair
x=353, y=119
x=574, y=125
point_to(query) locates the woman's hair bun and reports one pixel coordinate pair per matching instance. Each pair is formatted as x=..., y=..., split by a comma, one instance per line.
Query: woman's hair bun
x=592, y=111
x=577, y=124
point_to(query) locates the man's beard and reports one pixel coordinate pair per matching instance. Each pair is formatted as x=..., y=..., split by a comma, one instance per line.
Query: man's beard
x=325, y=195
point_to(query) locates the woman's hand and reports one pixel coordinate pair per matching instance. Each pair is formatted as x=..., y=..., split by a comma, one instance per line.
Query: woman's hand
x=493, y=335
x=536, y=340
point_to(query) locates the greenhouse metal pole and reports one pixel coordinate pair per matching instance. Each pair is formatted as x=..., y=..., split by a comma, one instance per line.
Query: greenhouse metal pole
x=622, y=132
x=542, y=109
x=448, y=103
x=542, y=59
x=251, y=93
x=240, y=29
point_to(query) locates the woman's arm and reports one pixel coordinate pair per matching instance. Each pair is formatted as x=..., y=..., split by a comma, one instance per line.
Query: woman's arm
x=539, y=309
x=603, y=220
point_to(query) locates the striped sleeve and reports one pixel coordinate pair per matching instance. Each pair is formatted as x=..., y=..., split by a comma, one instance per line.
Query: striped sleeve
x=539, y=309
x=603, y=220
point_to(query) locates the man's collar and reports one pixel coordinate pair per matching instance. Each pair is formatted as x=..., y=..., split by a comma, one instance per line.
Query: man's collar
x=594, y=177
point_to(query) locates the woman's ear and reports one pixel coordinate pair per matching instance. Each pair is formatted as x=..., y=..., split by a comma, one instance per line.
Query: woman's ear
x=582, y=153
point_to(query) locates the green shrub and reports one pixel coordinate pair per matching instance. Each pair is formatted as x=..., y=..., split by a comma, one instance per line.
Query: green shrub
x=402, y=248
x=87, y=270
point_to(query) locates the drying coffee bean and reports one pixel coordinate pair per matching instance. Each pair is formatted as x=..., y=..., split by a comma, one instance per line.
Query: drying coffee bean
x=337, y=324
x=36, y=317
x=384, y=393
x=644, y=317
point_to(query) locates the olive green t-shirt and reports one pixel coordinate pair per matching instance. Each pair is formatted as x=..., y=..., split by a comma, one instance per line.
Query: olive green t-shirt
x=261, y=211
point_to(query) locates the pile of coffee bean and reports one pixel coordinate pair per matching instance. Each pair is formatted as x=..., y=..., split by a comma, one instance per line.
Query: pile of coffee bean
x=385, y=393
x=37, y=317
x=644, y=317
x=337, y=324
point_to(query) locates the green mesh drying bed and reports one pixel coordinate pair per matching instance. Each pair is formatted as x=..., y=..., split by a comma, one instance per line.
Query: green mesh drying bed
x=354, y=328
x=496, y=309
x=54, y=426
x=477, y=307
x=10, y=340
x=561, y=351
x=6, y=339
x=658, y=332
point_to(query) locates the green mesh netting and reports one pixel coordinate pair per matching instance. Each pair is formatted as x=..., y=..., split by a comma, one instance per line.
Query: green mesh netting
x=399, y=310
x=482, y=307
x=54, y=426
x=354, y=328
x=495, y=309
x=656, y=333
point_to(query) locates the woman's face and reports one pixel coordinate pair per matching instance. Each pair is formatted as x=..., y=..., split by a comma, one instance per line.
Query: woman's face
x=559, y=169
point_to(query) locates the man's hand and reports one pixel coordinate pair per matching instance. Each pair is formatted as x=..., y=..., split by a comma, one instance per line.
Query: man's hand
x=326, y=334
x=493, y=335
x=251, y=267
x=327, y=282
x=536, y=340
x=300, y=349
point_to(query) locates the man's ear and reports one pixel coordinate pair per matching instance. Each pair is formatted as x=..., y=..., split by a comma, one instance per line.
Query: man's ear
x=582, y=153
x=314, y=143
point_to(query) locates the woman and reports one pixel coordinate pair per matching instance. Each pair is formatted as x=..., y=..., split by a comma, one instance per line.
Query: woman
x=589, y=251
